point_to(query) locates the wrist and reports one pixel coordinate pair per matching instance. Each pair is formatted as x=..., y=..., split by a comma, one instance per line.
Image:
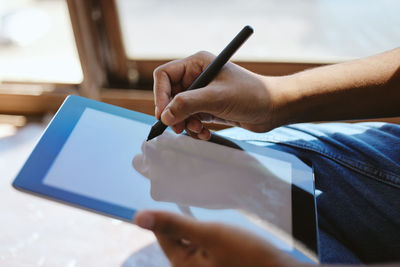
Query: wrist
x=284, y=96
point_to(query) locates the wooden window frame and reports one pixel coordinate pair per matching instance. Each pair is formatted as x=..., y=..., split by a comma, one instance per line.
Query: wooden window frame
x=103, y=67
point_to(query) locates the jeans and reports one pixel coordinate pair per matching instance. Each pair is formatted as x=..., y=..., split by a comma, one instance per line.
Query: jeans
x=357, y=170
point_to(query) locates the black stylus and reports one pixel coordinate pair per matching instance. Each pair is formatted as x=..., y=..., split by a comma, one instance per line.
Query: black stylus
x=210, y=72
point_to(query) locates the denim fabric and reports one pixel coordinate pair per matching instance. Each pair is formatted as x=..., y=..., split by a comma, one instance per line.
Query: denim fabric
x=357, y=168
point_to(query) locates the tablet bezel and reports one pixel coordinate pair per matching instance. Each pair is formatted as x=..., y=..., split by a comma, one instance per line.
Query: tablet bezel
x=29, y=179
x=50, y=144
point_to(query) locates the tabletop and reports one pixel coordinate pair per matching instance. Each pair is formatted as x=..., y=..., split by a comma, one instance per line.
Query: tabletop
x=39, y=232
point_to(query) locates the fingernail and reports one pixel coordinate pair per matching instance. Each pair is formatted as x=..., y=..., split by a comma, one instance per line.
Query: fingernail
x=167, y=117
x=145, y=220
x=204, y=134
x=194, y=129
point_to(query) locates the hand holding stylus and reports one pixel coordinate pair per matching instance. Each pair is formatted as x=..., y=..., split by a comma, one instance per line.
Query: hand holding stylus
x=195, y=72
x=235, y=97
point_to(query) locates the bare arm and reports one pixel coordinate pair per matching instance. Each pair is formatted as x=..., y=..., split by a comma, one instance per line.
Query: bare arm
x=364, y=88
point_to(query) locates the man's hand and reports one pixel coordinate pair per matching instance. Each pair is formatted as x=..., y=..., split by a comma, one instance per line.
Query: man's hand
x=187, y=242
x=259, y=103
x=235, y=97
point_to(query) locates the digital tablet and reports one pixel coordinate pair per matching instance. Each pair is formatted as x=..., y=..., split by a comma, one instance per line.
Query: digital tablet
x=94, y=156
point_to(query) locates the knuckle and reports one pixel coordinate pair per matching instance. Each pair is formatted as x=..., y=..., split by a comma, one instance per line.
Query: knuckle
x=204, y=55
x=157, y=71
x=180, y=102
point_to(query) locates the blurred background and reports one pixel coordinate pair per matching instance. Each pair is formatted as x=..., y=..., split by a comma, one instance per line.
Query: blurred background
x=107, y=50
x=37, y=41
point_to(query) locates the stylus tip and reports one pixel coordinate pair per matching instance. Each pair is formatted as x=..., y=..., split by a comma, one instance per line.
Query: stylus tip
x=152, y=134
x=157, y=129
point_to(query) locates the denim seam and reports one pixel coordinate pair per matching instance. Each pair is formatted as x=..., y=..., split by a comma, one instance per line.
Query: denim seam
x=368, y=170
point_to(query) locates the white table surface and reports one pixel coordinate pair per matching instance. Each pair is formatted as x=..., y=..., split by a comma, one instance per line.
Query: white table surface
x=39, y=232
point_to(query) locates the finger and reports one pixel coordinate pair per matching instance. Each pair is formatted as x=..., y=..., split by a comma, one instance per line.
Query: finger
x=206, y=117
x=205, y=134
x=191, y=134
x=179, y=127
x=164, y=77
x=187, y=103
x=183, y=252
x=194, y=124
x=175, y=76
x=175, y=249
x=172, y=225
x=195, y=65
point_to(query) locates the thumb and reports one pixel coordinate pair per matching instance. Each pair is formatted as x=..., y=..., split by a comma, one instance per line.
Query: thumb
x=187, y=103
x=173, y=225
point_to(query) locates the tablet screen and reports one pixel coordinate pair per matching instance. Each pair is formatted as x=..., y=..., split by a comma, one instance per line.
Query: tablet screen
x=102, y=168
x=96, y=161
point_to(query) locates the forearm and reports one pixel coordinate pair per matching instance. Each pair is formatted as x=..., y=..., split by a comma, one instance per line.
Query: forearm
x=364, y=88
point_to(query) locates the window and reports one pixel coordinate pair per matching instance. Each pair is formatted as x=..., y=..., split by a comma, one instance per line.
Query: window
x=120, y=42
x=285, y=31
x=37, y=43
x=289, y=35
x=39, y=63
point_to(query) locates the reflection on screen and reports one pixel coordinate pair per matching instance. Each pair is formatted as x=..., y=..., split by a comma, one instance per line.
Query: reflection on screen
x=96, y=161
